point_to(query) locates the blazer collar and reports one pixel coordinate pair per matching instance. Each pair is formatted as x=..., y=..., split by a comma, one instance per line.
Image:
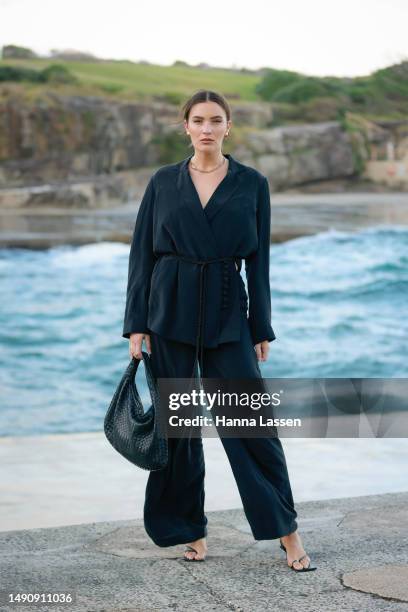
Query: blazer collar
x=230, y=183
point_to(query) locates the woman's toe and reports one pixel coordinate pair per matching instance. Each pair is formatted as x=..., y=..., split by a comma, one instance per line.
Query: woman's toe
x=297, y=565
x=189, y=554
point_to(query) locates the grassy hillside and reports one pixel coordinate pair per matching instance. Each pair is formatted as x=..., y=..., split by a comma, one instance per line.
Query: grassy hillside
x=295, y=97
x=125, y=79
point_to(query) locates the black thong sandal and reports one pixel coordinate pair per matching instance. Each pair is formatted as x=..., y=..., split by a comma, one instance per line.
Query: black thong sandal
x=191, y=549
x=304, y=569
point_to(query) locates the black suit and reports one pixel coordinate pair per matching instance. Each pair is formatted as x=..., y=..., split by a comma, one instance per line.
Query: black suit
x=183, y=279
x=162, y=293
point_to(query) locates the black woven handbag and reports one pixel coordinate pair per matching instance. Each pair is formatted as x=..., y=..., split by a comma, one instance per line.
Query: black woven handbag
x=134, y=433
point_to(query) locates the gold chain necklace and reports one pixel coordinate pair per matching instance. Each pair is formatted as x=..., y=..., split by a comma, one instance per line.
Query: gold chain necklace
x=213, y=170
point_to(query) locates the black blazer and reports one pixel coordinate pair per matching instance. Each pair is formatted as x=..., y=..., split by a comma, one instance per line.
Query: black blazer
x=163, y=291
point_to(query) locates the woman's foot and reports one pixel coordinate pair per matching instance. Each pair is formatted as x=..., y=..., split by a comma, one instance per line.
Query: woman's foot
x=200, y=550
x=295, y=550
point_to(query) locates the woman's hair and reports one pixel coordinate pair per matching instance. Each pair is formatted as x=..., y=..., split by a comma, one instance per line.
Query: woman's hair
x=204, y=95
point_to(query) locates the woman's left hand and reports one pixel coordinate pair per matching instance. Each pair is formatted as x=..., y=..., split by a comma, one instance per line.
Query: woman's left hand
x=262, y=350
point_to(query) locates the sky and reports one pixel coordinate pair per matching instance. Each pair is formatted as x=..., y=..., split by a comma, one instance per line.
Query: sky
x=315, y=37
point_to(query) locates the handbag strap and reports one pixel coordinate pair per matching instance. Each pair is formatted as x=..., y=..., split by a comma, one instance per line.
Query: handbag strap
x=150, y=377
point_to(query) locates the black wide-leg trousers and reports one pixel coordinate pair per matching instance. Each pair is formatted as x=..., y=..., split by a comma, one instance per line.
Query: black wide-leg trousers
x=174, y=502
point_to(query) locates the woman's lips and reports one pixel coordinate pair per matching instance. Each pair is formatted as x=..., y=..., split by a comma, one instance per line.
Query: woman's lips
x=207, y=140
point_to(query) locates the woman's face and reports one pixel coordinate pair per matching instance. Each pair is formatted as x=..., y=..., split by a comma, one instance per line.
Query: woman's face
x=207, y=126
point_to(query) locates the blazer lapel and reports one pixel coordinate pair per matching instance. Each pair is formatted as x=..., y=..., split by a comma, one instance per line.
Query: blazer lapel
x=188, y=192
x=222, y=193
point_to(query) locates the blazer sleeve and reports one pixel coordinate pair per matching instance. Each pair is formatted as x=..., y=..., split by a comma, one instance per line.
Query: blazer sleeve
x=257, y=272
x=141, y=263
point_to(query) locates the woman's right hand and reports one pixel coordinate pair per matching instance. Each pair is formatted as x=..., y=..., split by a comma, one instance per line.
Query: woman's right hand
x=135, y=345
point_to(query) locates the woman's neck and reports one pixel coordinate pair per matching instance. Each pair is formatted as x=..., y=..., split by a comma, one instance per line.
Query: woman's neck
x=207, y=161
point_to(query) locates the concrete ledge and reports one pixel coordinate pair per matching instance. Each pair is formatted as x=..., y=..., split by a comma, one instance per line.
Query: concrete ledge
x=293, y=215
x=355, y=542
x=79, y=478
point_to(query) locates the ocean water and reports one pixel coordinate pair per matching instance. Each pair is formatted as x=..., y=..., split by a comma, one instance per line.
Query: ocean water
x=339, y=306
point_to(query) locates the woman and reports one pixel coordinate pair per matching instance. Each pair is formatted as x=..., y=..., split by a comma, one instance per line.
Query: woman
x=197, y=220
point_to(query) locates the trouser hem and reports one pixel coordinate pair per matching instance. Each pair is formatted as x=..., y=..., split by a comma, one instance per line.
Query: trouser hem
x=275, y=535
x=174, y=540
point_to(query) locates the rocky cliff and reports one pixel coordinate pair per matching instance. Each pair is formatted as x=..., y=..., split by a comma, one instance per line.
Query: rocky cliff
x=294, y=155
x=62, y=138
x=79, y=148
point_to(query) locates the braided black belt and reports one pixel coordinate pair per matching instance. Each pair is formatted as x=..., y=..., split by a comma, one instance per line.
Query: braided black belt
x=200, y=322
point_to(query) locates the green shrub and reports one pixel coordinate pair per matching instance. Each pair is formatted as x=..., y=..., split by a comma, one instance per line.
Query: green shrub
x=171, y=147
x=304, y=89
x=181, y=63
x=17, y=52
x=55, y=73
x=275, y=80
x=111, y=88
x=392, y=81
x=12, y=73
x=171, y=97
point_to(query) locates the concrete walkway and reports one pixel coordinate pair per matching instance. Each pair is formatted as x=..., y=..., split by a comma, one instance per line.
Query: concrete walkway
x=359, y=545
